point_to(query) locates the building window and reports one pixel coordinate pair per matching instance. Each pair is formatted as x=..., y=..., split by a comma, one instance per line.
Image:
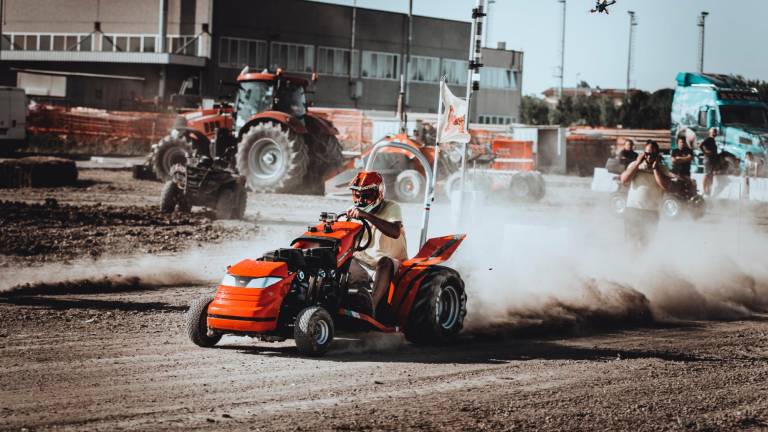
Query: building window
x=455, y=71
x=45, y=43
x=293, y=57
x=86, y=43
x=424, y=69
x=335, y=61
x=238, y=53
x=149, y=43
x=380, y=65
x=107, y=43
x=491, y=77
x=134, y=44
x=31, y=43
x=495, y=119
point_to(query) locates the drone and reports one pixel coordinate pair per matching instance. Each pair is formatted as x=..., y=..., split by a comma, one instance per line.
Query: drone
x=601, y=6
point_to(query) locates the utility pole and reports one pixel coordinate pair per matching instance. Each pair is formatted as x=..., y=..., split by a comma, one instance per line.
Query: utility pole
x=562, y=54
x=353, y=33
x=632, y=25
x=702, y=32
x=488, y=22
x=402, y=105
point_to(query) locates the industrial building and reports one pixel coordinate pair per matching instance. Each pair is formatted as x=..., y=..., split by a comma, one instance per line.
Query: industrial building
x=138, y=54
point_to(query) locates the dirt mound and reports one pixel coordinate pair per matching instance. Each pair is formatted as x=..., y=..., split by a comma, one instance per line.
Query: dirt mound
x=37, y=171
x=52, y=232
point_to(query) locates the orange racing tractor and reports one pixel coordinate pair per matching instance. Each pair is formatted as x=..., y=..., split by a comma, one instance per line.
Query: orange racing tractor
x=303, y=292
x=268, y=136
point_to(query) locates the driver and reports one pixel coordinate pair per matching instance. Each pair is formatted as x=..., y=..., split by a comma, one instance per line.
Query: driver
x=382, y=258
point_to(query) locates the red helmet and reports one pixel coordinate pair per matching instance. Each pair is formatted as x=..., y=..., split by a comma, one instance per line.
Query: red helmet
x=367, y=190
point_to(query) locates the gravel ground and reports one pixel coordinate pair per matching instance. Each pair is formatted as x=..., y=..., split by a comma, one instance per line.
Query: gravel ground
x=108, y=353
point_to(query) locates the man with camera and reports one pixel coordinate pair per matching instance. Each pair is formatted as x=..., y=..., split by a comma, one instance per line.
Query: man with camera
x=648, y=179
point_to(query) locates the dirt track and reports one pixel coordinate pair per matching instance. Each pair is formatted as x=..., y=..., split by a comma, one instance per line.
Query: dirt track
x=110, y=354
x=119, y=361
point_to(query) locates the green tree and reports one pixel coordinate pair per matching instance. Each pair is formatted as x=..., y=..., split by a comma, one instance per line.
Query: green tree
x=563, y=114
x=609, y=113
x=534, y=111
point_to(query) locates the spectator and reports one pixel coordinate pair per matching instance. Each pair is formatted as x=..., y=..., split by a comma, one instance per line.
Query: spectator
x=682, y=156
x=711, y=160
x=648, y=179
x=628, y=154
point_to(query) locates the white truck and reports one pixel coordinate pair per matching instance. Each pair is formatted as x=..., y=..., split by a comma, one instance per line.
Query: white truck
x=13, y=118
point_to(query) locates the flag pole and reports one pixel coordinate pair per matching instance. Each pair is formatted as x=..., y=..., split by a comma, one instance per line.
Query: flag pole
x=429, y=191
x=475, y=64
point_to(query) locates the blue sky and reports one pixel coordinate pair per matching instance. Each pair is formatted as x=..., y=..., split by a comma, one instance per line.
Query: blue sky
x=666, y=40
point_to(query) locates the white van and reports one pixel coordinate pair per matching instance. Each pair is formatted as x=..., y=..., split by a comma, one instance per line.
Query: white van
x=13, y=118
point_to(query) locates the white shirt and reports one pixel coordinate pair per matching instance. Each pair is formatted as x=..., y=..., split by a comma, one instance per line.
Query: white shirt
x=383, y=246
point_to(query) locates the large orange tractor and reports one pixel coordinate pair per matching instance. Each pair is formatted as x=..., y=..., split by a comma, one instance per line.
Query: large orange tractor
x=268, y=136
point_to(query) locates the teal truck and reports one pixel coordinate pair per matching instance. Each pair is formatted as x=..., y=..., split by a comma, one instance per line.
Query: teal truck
x=704, y=101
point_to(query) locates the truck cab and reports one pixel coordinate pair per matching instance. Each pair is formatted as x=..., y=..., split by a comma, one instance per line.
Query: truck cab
x=704, y=101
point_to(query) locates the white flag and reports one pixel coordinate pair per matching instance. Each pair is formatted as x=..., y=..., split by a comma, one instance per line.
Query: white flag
x=453, y=119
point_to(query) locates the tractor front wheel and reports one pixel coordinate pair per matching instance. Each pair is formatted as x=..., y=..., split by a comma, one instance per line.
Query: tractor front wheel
x=618, y=203
x=672, y=207
x=172, y=197
x=438, y=311
x=197, y=323
x=313, y=331
x=167, y=153
x=272, y=158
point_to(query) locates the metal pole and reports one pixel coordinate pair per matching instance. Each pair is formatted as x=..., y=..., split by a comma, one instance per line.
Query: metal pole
x=406, y=64
x=429, y=193
x=562, y=54
x=2, y=18
x=162, y=30
x=475, y=63
x=352, y=82
x=352, y=39
x=702, y=32
x=632, y=24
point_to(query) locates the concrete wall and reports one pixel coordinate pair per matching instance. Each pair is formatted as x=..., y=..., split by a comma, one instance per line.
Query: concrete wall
x=78, y=16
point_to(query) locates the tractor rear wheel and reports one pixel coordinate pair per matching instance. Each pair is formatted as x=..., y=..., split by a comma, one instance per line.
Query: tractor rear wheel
x=167, y=153
x=438, y=311
x=242, y=199
x=325, y=155
x=539, y=186
x=522, y=187
x=409, y=186
x=197, y=323
x=272, y=159
x=313, y=331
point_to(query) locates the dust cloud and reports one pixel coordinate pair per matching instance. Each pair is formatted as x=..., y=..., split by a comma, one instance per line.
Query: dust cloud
x=557, y=270
x=198, y=266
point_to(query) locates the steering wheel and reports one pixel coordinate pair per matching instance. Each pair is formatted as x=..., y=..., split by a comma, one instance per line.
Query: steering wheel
x=366, y=227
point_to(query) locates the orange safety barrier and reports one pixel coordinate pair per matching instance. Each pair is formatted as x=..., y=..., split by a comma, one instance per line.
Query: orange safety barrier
x=512, y=155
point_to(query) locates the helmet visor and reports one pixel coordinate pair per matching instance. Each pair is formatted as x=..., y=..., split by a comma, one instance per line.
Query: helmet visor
x=364, y=198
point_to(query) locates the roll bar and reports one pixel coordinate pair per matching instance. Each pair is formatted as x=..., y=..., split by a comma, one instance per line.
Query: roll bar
x=429, y=187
